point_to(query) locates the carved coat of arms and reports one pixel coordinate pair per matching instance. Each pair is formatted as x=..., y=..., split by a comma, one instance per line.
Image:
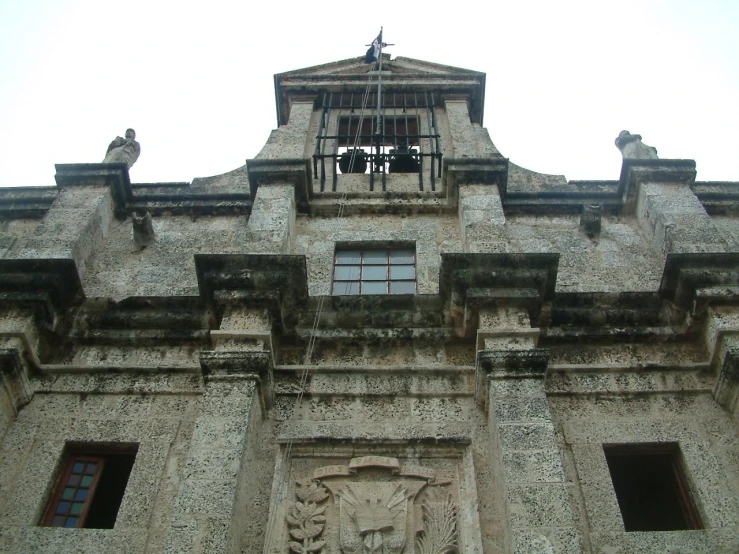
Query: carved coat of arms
x=375, y=517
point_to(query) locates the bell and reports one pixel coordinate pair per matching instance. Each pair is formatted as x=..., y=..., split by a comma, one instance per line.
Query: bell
x=403, y=160
x=360, y=161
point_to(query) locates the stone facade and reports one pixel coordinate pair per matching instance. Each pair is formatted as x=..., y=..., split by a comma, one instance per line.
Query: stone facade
x=195, y=323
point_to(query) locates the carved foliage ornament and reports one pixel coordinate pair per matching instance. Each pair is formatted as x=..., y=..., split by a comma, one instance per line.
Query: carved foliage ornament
x=305, y=518
x=375, y=517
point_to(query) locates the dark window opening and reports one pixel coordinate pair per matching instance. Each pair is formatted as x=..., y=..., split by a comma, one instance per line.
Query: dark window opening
x=651, y=488
x=359, y=134
x=90, y=488
x=396, y=151
x=374, y=271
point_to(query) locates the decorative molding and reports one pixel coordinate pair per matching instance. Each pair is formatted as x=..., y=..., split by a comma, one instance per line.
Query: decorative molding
x=277, y=282
x=247, y=365
x=469, y=282
x=508, y=364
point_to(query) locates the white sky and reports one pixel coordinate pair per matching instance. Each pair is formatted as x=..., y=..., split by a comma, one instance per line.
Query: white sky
x=195, y=78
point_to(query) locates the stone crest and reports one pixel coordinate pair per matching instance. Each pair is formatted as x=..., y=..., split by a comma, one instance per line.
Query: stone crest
x=373, y=516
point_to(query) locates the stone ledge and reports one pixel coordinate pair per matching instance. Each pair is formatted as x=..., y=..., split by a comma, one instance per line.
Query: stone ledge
x=255, y=365
x=53, y=283
x=670, y=172
x=477, y=171
x=277, y=282
x=508, y=364
x=282, y=171
x=154, y=197
x=469, y=282
x=693, y=281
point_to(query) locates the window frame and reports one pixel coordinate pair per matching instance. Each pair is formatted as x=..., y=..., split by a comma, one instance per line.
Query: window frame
x=673, y=456
x=361, y=281
x=61, y=484
x=100, y=453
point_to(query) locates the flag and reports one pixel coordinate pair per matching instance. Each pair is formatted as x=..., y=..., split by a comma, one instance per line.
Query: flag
x=373, y=52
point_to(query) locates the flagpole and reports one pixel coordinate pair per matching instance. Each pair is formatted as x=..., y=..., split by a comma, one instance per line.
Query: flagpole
x=379, y=87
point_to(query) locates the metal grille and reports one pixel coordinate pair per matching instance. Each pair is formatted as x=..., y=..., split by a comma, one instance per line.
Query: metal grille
x=348, y=141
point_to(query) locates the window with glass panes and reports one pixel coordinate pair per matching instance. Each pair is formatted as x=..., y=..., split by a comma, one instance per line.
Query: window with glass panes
x=90, y=490
x=374, y=271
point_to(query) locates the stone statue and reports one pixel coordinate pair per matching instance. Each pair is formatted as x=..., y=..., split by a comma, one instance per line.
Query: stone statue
x=123, y=150
x=632, y=147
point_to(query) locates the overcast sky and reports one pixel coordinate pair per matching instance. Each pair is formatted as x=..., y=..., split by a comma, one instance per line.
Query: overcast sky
x=194, y=79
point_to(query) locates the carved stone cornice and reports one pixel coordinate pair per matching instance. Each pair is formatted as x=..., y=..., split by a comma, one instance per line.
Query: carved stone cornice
x=152, y=197
x=238, y=364
x=53, y=284
x=277, y=282
x=296, y=172
x=508, y=364
x=479, y=171
x=469, y=282
x=693, y=281
x=669, y=172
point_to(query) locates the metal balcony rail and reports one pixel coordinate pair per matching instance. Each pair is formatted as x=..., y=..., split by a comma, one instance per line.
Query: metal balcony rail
x=348, y=140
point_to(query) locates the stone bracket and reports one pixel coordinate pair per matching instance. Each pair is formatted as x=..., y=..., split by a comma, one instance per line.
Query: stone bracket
x=507, y=364
x=634, y=172
x=52, y=283
x=283, y=171
x=246, y=365
x=726, y=390
x=14, y=378
x=693, y=281
x=469, y=282
x=276, y=282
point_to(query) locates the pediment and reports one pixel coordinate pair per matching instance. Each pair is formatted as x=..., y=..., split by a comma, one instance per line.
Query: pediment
x=356, y=66
x=401, y=74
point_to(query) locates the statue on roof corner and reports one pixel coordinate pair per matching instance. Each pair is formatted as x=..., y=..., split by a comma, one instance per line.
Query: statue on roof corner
x=123, y=150
x=632, y=147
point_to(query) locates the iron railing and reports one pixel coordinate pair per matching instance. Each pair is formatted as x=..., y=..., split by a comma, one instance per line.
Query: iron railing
x=348, y=140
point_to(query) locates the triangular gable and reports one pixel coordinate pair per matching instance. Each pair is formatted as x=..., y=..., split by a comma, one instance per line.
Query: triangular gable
x=354, y=66
x=401, y=73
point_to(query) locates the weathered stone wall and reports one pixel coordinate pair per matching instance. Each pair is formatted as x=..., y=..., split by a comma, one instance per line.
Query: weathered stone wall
x=317, y=238
x=647, y=409
x=487, y=396
x=157, y=414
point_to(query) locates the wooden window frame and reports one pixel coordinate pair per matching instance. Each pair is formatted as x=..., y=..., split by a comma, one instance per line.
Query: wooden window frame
x=61, y=485
x=361, y=281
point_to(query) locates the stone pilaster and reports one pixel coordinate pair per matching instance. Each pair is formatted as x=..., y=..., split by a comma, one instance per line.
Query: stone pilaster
x=510, y=386
x=667, y=210
x=77, y=223
x=271, y=225
x=211, y=510
x=481, y=218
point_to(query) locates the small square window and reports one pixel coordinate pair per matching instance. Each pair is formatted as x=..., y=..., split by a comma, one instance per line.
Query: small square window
x=90, y=488
x=651, y=487
x=374, y=271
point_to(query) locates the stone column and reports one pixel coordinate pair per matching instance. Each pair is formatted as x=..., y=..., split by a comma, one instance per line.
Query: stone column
x=667, y=210
x=211, y=510
x=76, y=225
x=510, y=387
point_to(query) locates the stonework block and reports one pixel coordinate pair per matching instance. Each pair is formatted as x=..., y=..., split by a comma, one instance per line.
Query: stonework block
x=532, y=466
x=544, y=504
